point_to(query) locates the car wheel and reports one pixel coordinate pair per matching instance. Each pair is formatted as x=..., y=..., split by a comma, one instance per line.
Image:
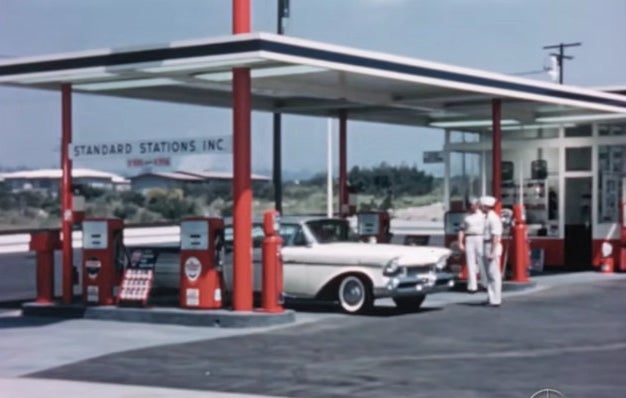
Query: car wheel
x=412, y=303
x=355, y=295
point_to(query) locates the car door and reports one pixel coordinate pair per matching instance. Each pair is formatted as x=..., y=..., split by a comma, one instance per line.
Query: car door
x=296, y=267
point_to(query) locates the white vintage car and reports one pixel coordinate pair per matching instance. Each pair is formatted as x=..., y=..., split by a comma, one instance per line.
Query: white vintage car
x=323, y=260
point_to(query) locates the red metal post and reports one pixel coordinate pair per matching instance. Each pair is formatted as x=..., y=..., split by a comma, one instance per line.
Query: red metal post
x=496, y=143
x=343, y=163
x=520, y=246
x=241, y=16
x=242, y=191
x=272, y=265
x=44, y=243
x=66, y=192
x=242, y=187
x=45, y=276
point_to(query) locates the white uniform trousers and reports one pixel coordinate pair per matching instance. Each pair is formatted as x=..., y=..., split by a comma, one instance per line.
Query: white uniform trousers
x=474, y=259
x=493, y=276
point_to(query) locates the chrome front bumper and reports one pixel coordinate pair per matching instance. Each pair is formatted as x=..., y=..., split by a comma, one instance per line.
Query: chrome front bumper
x=411, y=285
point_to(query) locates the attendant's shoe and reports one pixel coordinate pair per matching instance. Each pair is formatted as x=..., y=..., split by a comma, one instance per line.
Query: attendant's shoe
x=472, y=291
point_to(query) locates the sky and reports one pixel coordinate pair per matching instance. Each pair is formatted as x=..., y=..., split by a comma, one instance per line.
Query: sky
x=504, y=36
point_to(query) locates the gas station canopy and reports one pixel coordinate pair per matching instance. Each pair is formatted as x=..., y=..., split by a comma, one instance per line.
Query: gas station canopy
x=296, y=76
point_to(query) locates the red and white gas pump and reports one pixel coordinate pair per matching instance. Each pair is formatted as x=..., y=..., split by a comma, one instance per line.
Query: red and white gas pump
x=272, y=296
x=374, y=226
x=201, y=244
x=104, y=259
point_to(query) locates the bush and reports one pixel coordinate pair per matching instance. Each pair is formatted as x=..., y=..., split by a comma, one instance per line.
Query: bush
x=125, y=211
x=132, y=197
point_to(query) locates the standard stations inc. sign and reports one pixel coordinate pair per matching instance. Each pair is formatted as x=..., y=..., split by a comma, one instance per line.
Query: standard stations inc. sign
x=152, y=147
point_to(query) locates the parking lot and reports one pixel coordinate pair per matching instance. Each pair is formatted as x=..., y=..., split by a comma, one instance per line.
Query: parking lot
x=566, y=335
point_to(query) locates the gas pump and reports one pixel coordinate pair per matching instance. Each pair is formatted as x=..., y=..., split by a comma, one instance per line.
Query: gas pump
x=374, y=226
x=201, y=250
x=272, y=296
x=104, y=259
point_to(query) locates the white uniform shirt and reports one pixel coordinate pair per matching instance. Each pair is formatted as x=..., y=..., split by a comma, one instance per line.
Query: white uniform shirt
x=493, y=225
x=474, y=224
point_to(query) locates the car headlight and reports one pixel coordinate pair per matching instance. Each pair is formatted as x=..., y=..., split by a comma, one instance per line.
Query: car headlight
x=392, y=267
x=441, y=264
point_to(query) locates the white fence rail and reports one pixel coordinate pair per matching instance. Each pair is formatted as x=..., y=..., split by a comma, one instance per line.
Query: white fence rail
x=19, y=243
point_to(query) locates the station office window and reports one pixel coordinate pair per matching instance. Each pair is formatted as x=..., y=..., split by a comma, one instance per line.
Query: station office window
x=611, y=129
x=533, y=181
x=579, y=131
x=529, y=133
x=610, y=173
x=578, y=159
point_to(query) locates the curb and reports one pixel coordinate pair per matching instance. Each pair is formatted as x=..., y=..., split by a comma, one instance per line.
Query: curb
x=171, y=316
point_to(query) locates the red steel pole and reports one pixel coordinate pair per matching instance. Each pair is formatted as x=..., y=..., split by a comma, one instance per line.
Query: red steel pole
x=496, y=143
x=343, y=163
x=520, y=246
x=66, y=192
x=242, y=187
x=272, y=274
x=241, y=16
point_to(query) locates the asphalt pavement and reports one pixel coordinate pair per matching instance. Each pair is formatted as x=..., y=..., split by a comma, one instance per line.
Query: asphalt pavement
x=567, y=333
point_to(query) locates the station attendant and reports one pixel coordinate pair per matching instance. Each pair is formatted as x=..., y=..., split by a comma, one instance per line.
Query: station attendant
x=470, y=239
x=492, y=250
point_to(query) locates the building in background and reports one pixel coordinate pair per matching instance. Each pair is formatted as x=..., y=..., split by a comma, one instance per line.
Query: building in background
x=49, y=180
x=179, y=179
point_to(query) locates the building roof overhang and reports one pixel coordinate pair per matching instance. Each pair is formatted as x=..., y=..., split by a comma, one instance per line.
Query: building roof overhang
x=296, y=76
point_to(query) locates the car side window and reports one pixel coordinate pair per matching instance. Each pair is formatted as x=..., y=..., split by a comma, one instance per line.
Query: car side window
x=299, y=239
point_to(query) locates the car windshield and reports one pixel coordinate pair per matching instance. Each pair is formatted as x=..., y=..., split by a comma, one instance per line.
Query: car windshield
x=326, y=231
x=257, y=235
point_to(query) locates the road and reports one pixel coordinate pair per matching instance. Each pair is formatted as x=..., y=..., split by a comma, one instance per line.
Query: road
x=572, y=338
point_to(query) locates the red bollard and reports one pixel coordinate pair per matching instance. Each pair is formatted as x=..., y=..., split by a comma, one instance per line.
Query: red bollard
x=271, y=299
x=44, y=243
x=607, y=266
x=606, y=263
x=520, y=245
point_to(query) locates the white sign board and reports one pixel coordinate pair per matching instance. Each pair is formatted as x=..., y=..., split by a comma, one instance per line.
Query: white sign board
x=152, y=148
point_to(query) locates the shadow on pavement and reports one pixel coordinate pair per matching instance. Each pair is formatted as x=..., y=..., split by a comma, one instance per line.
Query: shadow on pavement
x=13, y=304
x=377, y=311
x=27, y=322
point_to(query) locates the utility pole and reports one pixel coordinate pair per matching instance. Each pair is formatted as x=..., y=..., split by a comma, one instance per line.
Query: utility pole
x=560, y=56
x=282, y=14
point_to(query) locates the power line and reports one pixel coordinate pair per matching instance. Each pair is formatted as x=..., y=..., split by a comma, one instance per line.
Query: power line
x=560, y=56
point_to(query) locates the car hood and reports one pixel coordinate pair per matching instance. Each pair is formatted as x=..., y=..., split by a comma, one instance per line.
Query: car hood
x=373, y=254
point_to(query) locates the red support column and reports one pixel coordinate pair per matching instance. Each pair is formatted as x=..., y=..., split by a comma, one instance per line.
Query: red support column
x=241, y=16
x=496, y=143
x=242, y=187
x=66, y=193
x=343, y=163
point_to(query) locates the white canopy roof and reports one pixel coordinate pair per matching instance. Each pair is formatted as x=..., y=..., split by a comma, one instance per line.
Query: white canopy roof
x=298, y=76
